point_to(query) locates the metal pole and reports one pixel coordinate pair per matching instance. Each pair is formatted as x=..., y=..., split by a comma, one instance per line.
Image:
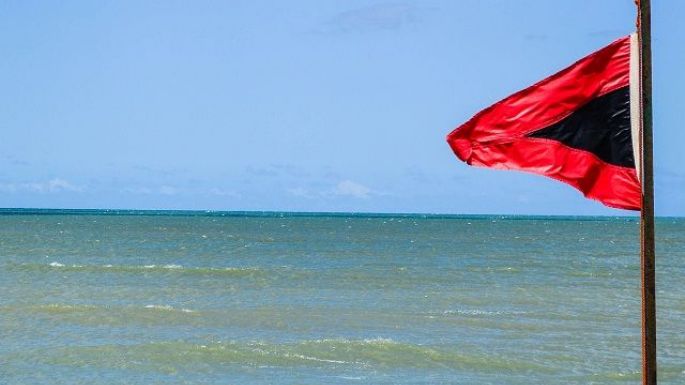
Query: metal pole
x=647, y=260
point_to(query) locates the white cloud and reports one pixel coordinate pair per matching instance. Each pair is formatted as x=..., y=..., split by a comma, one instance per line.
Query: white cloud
x=54, y=185
x=375, y=17
x=354, y=189
x=58, y=184
x=300, y=192
x=347, y=188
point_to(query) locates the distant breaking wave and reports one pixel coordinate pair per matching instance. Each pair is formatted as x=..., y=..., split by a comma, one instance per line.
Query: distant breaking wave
x=90, y=314
x=340, y=277
x=168, y=308
x=168, y=269
x=376, y=352
x=478, y=312
x=59, y=308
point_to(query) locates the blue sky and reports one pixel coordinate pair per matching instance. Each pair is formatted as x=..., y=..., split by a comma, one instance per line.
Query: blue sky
x=307, y=105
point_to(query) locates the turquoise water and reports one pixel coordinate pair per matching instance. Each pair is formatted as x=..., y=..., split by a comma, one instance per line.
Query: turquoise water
x=119, y=297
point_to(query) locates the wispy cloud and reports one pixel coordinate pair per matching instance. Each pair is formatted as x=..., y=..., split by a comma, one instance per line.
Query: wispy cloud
x=353, y=189
x=275, y=170
x=345, y=188
x=54, y=185
x=267, y=172
x=137, y=190
x=224, y=193
x=301, y=192
x=13, y=161
x=144, y=190
x=188, y=190
x=390, y=16
x=156, y=171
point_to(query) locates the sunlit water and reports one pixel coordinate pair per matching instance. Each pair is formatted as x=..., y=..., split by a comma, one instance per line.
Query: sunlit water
x=211, y=298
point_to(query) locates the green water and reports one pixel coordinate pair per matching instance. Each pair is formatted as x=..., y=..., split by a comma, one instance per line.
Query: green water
x=121, y=297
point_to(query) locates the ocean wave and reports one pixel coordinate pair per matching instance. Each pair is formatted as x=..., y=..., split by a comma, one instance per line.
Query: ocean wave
x=478, y=312
x=113, y=315
x=337, y=277
x=58, y=308
x=373, y=353
x=166, y=269
x=668, y=373
x=488, y=269
x=169, y=308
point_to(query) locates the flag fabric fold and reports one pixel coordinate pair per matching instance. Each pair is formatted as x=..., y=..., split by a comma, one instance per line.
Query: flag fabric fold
x=574, y=126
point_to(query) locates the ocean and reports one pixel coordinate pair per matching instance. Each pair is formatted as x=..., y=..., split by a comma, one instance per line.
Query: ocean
x=164, y=297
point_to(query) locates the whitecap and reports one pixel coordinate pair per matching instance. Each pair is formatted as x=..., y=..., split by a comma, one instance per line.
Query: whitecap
x=56, y=264
x=379, y=340
x=160, y=307
x=308, y=358
x=481, y=312
x=169, y=308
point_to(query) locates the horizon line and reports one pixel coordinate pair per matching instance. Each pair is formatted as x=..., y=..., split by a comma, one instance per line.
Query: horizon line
x=277, y=213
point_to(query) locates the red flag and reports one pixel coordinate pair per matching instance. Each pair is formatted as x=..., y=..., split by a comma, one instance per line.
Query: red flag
x=575, y=126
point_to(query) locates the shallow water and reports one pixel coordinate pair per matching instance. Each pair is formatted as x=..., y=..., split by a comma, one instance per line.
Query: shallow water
x=214, y=298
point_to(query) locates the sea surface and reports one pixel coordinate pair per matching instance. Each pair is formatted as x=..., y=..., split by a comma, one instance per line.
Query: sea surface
x=157, y=297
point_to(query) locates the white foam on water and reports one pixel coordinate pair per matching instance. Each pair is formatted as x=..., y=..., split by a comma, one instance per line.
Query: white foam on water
x=372, y=341
x=56, y=264
x=168, y=266
x=481, y=312
x=308, y=358
x=159, y=307
x=168, y=308
x=378, y=340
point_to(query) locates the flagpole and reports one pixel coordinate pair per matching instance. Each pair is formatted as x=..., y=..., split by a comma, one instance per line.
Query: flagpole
x=647, y=253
